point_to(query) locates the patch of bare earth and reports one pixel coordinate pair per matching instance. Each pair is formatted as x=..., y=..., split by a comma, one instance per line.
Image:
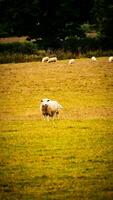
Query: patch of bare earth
x=13, y=39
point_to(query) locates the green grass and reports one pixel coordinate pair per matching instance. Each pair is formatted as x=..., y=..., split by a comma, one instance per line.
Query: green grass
x=66, y=158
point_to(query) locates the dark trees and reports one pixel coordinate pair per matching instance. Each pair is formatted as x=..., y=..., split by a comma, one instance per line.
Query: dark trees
x=55, y=20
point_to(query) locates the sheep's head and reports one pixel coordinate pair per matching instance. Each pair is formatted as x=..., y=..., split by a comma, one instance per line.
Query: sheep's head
x=44, y=109
x=44, y=101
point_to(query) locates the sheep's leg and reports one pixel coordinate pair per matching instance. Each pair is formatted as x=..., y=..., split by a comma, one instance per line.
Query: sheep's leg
x=47, y=117
x=57, y=115
x=43, y=117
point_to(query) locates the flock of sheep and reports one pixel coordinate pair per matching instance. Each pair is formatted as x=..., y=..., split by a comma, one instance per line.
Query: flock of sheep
x=50, y=108
x=110, y=59
x=49, y=60
x=71, y=61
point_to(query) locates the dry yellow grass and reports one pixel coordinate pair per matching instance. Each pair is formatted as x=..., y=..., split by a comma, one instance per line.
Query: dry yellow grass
x=69, y=158
x=13, y=39
x=85, y=89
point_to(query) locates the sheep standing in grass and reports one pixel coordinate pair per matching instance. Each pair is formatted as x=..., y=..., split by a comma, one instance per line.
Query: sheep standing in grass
x=53, y=59
x=110, y=59
x=71, y=61
x=50, y=108
x=45, y=59
x=43, y=107
x=93, y=58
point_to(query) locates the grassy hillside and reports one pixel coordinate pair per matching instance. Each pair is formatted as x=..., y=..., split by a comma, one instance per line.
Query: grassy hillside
x=69, y=158
x=13, y=39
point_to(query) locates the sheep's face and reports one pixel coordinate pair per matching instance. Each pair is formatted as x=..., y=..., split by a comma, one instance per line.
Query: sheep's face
x=44, y=110
x=45, y=101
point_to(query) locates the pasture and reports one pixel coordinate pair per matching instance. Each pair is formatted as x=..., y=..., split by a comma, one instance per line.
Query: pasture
x=70, y=158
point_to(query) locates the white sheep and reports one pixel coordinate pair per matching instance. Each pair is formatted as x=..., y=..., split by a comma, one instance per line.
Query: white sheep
x=110, y=59
x=71, y=61
x=93, y=58
x=45, y=59
x=53, y=59
x=50, y=108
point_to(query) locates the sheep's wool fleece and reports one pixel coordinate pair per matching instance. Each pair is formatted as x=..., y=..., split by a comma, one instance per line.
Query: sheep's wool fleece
x=54, y=104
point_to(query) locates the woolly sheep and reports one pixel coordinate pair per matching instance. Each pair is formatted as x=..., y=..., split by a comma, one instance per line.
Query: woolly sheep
x=71, y=61
x=93, y=58
x=110, y=59
x=53, y=59
x=45, y=59
x=49, y=108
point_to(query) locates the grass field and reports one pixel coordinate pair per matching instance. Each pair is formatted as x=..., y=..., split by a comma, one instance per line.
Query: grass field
x=13, y=39
x=70, y=158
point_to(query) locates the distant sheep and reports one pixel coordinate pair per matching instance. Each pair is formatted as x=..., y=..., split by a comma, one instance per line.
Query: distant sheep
x=50, y=108
x=93, y=58
x=53, y=59
x=45, y=59
x=71, y=61
x=110, y=59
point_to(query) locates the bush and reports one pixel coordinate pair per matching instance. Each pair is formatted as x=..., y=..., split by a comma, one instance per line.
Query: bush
x=18, y=57
x=17, y=47
x=98, y=53
x=72, y=47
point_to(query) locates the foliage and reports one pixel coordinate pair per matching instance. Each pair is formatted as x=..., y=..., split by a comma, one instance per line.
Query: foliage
x=18, y=57
x=51, y=22
x=17, y=47
x=27, y=52
x=103, y=10
x=97, y=53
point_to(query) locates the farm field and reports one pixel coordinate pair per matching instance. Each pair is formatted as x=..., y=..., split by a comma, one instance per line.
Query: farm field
x=70, y=158
x=13, y=39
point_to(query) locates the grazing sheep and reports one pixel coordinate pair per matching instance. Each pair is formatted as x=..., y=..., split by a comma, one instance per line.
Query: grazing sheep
x=93, y=58
x=110, y=59
x=49, y=108
x=45, y=59
x=53, y=59
x=71, y=61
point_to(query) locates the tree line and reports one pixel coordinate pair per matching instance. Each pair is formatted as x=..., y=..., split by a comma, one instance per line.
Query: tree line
x=52, y=22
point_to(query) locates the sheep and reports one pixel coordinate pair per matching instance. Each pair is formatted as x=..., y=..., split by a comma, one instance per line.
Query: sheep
x=71, y=61
x=45, y=59
x=53, y=59
x=43, y=107
x=110, y=59
x=93, y=58
x=50, y=108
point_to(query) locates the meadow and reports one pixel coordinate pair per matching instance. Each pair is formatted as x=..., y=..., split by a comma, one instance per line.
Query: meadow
x=70, y=158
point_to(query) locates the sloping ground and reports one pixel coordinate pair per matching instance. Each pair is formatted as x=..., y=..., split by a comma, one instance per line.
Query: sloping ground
x=69, y=158
x=85, y=89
